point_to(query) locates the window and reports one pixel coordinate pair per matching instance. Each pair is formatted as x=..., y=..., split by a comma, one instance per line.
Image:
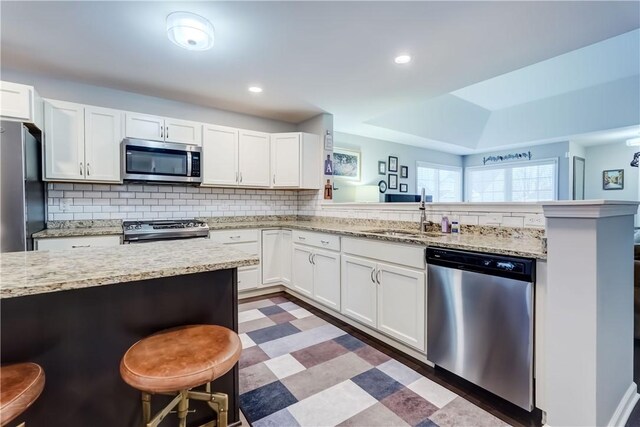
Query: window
x=516, y=182
x=444, y=183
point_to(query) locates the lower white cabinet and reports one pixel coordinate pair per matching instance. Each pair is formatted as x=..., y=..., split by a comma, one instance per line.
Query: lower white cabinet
x=61, y=243
x=244, y=240
x=316, y=274
x=287, y=262
x=389, y=298
x=276, y=257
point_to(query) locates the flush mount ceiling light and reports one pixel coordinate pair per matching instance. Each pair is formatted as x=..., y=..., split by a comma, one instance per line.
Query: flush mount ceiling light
x=402, y=59
x=255, y=89
x=190, y=31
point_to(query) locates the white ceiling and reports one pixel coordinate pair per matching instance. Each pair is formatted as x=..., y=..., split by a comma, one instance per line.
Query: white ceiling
x=310, y=57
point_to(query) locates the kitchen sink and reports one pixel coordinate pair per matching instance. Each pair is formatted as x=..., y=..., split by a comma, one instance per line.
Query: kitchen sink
x=402, y=233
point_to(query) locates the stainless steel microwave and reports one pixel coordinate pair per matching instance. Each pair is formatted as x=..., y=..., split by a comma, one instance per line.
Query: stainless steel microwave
x=160, y=161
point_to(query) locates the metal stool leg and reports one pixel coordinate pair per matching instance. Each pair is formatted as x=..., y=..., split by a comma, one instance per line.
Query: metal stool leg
x=146, y=408
x=183, y=409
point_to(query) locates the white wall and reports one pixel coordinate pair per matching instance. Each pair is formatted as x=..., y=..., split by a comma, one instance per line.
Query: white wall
x=65, y=90
x=374, y=150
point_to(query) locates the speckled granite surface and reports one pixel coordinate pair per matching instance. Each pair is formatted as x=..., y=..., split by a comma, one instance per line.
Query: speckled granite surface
x=30, y=273
x=78, y=231
x=500, y=240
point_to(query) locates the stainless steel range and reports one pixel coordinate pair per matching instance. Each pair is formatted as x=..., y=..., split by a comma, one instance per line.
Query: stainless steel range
x=151, y=231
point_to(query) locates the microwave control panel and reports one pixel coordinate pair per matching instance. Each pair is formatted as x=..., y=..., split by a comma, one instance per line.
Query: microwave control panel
x=195, y=164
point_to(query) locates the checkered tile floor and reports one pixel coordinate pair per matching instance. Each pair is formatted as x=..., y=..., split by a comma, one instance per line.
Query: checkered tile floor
x=298, y=370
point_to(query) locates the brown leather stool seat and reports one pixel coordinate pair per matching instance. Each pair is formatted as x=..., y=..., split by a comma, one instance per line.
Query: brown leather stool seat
x=20, y=386
x=176, y=360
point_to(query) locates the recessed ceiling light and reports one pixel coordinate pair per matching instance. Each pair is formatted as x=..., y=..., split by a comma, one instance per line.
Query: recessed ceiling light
x=402, y=59
x=255, y=89
x=190, y=31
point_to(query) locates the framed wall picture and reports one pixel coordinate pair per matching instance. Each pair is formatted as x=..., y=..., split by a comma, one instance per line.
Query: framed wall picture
x=404, y=188
x=393, y=181
x=393, y=164
x=404, y=171
x=613, y=179
x=346, y=164
x=382, y=167
x=382, y=186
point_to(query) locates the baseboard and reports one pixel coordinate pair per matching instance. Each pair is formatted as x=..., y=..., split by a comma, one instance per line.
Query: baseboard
x=251, y=293
x=625, y=407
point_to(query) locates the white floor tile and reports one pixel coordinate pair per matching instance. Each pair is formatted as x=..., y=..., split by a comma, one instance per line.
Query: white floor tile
x=246, y=341
x=300, y=313
x=332, y=406
x=245, y=316
x=432, y=392
x=284, y=365
x=289, y=306
x=399, y=372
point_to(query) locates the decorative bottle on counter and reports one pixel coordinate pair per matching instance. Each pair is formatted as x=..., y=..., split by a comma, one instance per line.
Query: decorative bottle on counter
x=455, y=227
x=328, y=190
x=445, y=224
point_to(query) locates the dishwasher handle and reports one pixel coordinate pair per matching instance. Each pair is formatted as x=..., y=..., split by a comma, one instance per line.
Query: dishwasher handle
x=491, y=264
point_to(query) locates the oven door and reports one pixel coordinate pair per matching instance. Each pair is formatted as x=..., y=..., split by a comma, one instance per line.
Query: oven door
x=158, y=161
x=162, y=239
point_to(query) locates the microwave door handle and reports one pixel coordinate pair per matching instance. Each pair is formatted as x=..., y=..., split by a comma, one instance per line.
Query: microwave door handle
x=188, y=163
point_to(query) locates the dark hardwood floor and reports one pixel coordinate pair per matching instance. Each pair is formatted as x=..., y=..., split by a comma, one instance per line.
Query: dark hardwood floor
x=634, y=418
x=500, y=408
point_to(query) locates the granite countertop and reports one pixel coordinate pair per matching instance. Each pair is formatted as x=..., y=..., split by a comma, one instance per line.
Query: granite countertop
x=77, y=232
x=37, y=272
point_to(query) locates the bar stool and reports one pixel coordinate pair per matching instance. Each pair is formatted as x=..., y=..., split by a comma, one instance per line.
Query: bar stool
x=20, y=386
x=173, y=361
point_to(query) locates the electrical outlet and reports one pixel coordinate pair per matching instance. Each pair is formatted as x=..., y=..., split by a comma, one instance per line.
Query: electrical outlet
x=65, y=204
x=536, y=221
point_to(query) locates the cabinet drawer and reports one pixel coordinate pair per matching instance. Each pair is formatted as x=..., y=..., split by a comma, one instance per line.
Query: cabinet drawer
x=60, y=243
x=248, y=278
x=234, y=236
x=409, y=255
x=320, y=240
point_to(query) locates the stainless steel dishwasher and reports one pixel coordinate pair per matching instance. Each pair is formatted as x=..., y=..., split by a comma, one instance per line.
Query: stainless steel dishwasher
x=480, y=320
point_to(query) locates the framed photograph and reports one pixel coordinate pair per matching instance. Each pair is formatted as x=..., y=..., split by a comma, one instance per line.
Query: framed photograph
x=382, y=186
x=382, y=167
x=393, y=164
x=328, y=142
x=346, y=164
x=613, y=179
x=404, y=188
x=404, y=172
x=393, y=181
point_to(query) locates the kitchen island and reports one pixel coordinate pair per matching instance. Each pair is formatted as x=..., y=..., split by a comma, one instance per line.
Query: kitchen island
x=76, y=312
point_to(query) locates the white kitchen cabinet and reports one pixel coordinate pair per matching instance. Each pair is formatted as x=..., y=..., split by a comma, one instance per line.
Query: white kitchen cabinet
x=276, y=257
x=64, y=146
x=253, y=159
x=295, y=160
x=326, y=278
x=219, y=155
x=359, y=290
x=246, y=240
x=81, y=143
x=62, y=243
x=302, y=270
x=20, y=103
x=155, y=128
x=103, y=129
x=402, y=304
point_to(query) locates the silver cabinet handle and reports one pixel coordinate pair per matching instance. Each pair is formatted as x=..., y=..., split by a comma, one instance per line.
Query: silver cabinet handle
x=88, y=170
x=274, y=178
x=167, y=131
x=81, y=170
x=373, y=270
x=378, y=277
x=324, y=242
x=302, y=238
x=237, y=180
x=80, y=246
x=310, y=258
x=234, y=237
x=313, y=259
x=161, y=131
x=240, y=176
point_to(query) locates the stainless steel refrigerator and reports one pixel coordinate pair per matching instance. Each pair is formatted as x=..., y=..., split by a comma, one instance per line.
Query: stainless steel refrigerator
x=22, y=191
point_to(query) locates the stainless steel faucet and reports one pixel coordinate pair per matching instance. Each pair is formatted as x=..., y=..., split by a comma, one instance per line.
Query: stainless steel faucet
x=423, y=214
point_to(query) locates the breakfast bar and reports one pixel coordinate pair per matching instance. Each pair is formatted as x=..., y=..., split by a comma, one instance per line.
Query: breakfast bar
x=75, y=313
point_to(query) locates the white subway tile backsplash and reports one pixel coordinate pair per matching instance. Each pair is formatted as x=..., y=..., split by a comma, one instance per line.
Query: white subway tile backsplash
x=512, y=221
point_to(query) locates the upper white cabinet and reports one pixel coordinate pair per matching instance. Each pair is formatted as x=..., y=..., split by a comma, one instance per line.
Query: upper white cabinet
x=295, y=160
x=20, y=102
x=143, y=126
x=235, y=157
x=81, y=142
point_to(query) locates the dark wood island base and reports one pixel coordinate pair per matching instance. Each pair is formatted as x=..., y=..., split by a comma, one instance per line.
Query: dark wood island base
x=79, y=336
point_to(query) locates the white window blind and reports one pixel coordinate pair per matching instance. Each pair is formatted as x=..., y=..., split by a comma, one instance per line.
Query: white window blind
x=444, y=183
x=530, y=181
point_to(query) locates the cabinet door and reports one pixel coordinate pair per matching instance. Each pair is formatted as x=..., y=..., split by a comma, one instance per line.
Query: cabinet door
x=17, y=101
x=302, y=270
x=248, y=278
x=182, y=131
x=401, y=304
x=103, y=134
x=326, y=278
x=254, y=159
x=219, y=155
x=285, y=159
x=359, y=290
x=65, y=243
x=64, y=140
x=311, y=162
x=142, y=126
x=285, y=253
x=271, y=256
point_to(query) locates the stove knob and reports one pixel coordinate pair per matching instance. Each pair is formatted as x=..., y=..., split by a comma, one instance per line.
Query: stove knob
x=138, y=227
x=189, y=225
